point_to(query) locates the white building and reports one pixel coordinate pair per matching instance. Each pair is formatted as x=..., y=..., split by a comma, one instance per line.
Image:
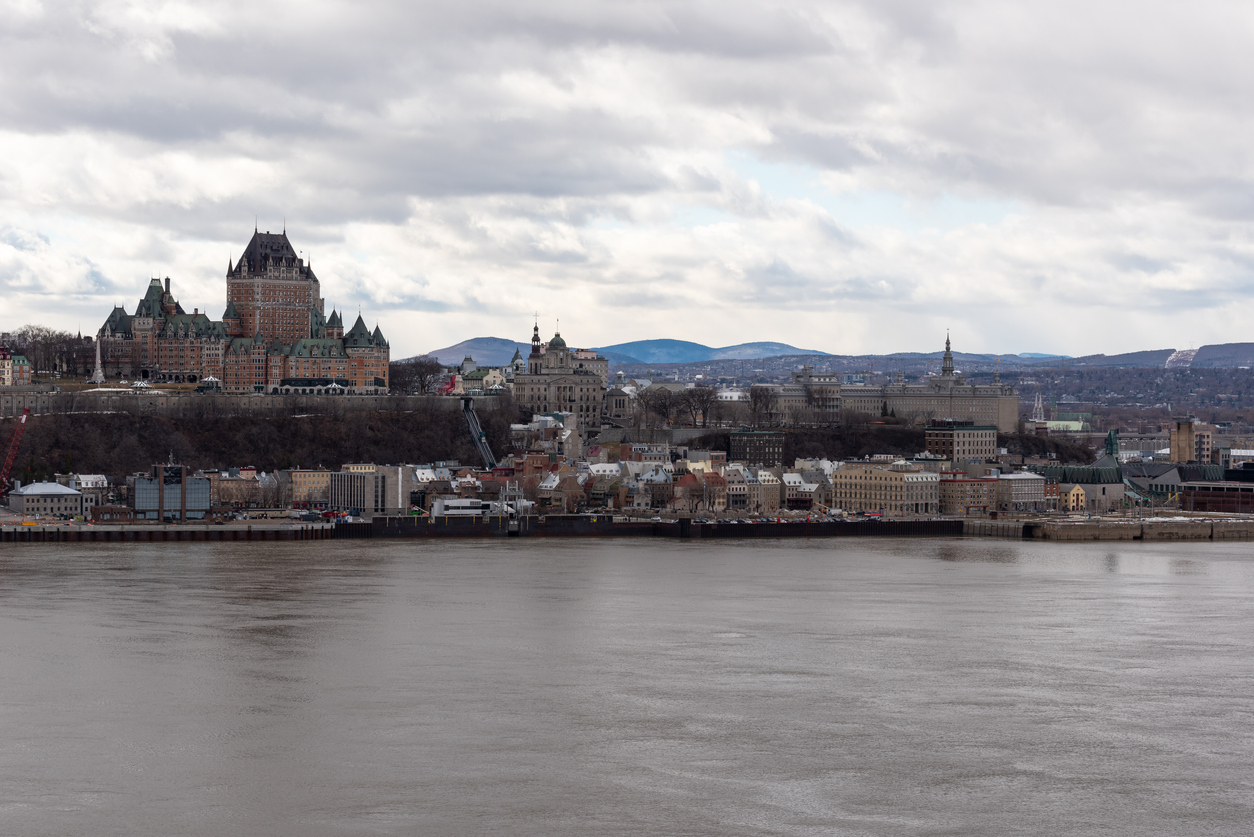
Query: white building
x=48, y=498
x=1022, y=491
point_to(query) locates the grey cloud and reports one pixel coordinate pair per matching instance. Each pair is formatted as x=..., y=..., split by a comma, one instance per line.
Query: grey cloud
x=489, y=137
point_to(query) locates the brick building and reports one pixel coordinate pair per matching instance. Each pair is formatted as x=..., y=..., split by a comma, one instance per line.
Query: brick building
x=272, y=337
x=959, y=441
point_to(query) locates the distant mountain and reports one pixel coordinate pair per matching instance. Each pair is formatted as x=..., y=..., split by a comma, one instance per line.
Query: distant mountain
x=1224, y=355
x=497, y=351
x=683, y=351
x=487, y=351
x=1153, y=359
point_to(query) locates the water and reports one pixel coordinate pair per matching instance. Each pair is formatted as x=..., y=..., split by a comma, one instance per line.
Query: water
x=592, y=687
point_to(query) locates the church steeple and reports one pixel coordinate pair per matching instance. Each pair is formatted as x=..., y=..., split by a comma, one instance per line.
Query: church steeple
x=947, y=365
x=534, y=360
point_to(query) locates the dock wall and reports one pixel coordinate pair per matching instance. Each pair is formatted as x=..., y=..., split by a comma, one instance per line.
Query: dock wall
x=127, y=533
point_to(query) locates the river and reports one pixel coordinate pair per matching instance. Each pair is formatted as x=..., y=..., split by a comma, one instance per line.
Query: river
x=603, y=687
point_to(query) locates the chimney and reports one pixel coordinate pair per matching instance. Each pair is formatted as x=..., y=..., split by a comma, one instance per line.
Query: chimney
x=195, y=312
x=167, y=284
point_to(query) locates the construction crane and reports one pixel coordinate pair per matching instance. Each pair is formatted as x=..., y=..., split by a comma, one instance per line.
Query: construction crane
x=11, y=456
x=477, y=435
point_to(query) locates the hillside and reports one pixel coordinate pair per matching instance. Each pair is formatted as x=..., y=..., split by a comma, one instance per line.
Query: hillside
x=487, y=351
x=683, y=351
x=116, y=444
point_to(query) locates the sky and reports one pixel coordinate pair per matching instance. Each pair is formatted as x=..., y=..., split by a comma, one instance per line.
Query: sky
x=853, y=177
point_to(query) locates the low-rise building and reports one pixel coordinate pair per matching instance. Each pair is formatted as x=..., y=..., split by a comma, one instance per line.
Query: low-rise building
x=898, y=489
x=765, y=492
x=171, y=493
x=757, y=448
x=15, y=369
x=961, y=441
x=1021, y=492
x=301, y=488
x=737, y=488
x=963, y=495
x=94, y=487
x=371, y=489
x=1223, y=496
x=798, y=494
x=46, y=498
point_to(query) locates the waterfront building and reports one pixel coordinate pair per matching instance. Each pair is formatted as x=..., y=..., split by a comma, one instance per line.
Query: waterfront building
x=961, y=494
x=1021, y=492
x=898, y=489
x=765, y=492
x=94, y=488
x=370, y=489
x=48, y=498
x=302, y=488
x=170, y=492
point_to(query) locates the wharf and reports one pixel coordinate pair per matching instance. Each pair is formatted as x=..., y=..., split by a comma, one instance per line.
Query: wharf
x=571, y=525
x=1117, y=529
x=152, y=533
x=575, y=525
x=580, y=525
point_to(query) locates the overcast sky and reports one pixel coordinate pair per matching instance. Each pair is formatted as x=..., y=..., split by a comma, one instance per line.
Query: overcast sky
x=1069, y=177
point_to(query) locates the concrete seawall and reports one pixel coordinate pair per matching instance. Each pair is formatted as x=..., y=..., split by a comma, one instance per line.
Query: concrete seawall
x=128, y=533
x=1114, y=530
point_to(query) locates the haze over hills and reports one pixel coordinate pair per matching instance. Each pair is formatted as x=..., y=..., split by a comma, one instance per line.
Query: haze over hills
x=683, y=351
x=497, y=351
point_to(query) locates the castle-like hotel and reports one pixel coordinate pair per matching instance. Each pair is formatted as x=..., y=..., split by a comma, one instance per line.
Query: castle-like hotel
x=273, y=337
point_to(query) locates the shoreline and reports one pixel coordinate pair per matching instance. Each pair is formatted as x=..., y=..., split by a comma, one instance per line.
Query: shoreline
x=604, y=526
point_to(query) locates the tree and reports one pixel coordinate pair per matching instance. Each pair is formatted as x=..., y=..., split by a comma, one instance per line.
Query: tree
x=666, y=402
x=700, y=401
x=644, y=406
x=763, y=402
x=414, y=375
x=48, y=350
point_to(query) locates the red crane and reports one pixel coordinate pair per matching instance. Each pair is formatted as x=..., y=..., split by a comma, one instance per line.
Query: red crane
x=12, y=454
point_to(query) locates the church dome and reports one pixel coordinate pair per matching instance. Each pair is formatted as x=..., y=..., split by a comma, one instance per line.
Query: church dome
x=557, y=342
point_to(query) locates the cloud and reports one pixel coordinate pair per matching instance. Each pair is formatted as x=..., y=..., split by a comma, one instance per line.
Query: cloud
x=1069, y=177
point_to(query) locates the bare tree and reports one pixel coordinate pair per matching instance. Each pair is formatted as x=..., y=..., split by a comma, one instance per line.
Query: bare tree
x=644, y=406
x=700, y=400
x=413, y=376
x=48, y=350
x=763, y=402
x=666, y=403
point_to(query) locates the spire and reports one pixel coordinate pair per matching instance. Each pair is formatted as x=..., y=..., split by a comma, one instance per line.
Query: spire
x=947, y=365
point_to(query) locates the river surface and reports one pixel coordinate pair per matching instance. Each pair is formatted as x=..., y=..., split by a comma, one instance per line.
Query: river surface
x=598, y=687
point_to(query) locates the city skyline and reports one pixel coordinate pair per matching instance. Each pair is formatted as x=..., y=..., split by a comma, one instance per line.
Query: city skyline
x=1037, y=179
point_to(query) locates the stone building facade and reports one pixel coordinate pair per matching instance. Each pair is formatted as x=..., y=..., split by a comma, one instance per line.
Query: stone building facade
x=558, y=380
x=947, y=395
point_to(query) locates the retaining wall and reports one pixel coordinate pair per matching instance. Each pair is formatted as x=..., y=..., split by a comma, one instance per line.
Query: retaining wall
x=206, y=405
x=127, y=533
